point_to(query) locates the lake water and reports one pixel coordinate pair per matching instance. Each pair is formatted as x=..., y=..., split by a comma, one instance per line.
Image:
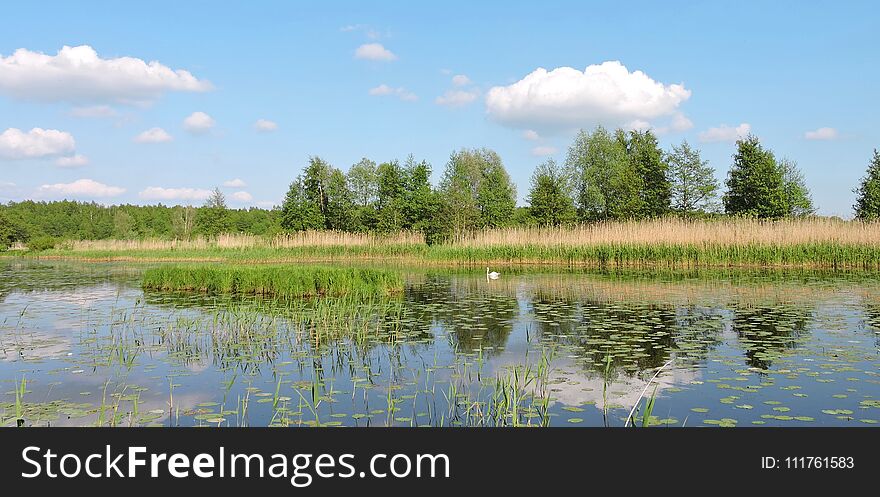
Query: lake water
x=557, y=348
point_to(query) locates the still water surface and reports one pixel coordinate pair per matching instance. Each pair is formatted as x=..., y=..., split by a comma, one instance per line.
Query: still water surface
x=737, y=348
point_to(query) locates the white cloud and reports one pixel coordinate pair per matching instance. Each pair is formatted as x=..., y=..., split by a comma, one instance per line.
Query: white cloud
x=242, y=197
x=821, y=134
x=79, y=74
x=160, y=193
x=198, y=122
x=456, y=98
x=638, y=125
x=80, y=188
x=265, y=125
x=531, y=135
x=94, y=111
x=235, y=183
x=267, y=204
x=725, y=133
x=35, y=144
x=566, y=98
x=542, y=150
x=460, y=80
x=72, y=161
x=374, y=51
x=400, y=92
x=153, y=135
x=680, y=122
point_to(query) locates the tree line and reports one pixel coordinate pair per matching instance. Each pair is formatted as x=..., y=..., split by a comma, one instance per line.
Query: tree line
x=606, y=176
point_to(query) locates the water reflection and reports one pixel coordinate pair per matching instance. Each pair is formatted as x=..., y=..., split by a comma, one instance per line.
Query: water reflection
x=533, y=348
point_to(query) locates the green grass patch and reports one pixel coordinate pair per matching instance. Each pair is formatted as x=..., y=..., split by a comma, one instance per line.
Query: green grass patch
x=274, y=281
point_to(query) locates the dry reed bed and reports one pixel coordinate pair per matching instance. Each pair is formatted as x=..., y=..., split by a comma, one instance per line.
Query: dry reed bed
x=675, y=231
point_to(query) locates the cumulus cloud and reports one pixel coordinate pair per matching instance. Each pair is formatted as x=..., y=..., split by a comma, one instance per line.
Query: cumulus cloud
x=725, y=133
x=87, y=188
x=400, y=92
x=79, y=74
x=821, y=134
x=374, y=51
x=543, y=150
x=153, y=135
x=198, y=122
x=566, y=98
x=35, y=144
x=72, y=161
x=235, y=183
x=160, y=193
x=265, y=125
x=242, y=197
x=456, y=98
x=460, y=80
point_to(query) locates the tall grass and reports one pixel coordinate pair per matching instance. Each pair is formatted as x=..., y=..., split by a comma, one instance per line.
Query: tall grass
x=277, y=281
x=671, y=242
x=245, y=241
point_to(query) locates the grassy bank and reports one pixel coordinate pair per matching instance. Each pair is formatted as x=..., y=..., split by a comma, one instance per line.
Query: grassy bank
x=276, y=281
x=815, y=242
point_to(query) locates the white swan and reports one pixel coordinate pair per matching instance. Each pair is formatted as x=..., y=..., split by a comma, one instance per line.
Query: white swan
x=491, y=276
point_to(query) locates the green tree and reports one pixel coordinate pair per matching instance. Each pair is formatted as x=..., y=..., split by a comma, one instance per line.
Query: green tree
x=391, y=185
x=307, y=204
x=183, y=222
x=496, y=193
x=363, y=182
x=605, y=183
x=9, y=233
x=298, y=211
x=648, y=161
x=550, y=202
x=797, y=196
x=421, y=203
x=693, y=186
x=755, y=185
x=213, y=218
x=477, y=191
x=867, y=204
x=340, y=205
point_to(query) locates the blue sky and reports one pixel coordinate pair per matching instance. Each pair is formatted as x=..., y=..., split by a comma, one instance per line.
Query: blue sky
x=709, y=71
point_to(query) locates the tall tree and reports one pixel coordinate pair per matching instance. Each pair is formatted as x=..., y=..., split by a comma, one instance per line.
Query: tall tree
x=183, y=222
x=391, y=181
x=605, y=183
x=422, y=205
x=212, y=219
x=9, y=233
x=363, y=182
x=476, y=191
x=298, y=211
x=867, y=204
x=798, y=201
x=648, y=161
x=550, y=202
x=340, y=205
x=755, y=184
x=693, y=186
x=496, y=193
